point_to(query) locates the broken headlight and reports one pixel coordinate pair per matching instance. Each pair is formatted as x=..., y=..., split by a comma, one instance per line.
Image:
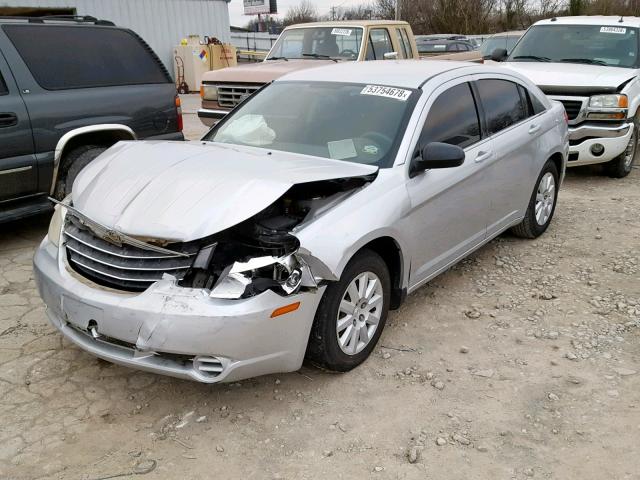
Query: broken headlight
x=284, y=275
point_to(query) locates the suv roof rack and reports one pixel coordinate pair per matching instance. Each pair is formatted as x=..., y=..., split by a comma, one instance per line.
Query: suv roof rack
x=62, y=18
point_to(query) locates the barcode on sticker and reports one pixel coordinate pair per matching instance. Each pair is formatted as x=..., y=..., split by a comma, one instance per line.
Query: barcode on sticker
x=341, y=31
x=388, y=92
x=619, y=30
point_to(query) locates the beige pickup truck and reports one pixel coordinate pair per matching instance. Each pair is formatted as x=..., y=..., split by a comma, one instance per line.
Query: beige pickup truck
x=305, y=46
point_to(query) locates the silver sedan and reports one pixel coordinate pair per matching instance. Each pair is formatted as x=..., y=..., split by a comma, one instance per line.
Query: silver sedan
x=298, y=221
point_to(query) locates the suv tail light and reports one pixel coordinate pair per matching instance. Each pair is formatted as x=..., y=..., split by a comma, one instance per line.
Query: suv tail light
x=179, y=113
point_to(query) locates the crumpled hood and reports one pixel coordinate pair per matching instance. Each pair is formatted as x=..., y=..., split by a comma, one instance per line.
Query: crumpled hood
x=567, y=75
x=263, y=72
x=183, y=191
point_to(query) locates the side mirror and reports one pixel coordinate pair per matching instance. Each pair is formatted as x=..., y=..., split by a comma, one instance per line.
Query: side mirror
x=436, y=155
x=391, y=56
x=499, y=55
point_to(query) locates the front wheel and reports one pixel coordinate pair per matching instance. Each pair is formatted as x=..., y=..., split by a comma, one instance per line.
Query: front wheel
x=542, y=204
x=621, y=166
x=351, y=314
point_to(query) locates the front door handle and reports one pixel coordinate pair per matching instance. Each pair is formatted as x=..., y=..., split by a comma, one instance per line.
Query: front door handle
x=8, y=120
x=534, y=129
x=482, y=156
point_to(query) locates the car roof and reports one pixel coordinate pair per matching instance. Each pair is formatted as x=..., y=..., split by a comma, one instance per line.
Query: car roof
x=396, y=73
x=351, y=23
x=612, y=20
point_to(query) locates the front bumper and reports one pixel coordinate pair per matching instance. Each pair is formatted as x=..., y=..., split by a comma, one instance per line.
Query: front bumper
x=582, y=137
x=210, y=116
x=173, y=330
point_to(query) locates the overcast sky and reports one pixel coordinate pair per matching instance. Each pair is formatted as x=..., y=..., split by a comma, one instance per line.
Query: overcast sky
x=238, y=19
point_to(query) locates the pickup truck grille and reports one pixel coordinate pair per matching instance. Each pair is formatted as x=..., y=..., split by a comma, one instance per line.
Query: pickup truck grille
x=125, y=267
x=572, y=107
x=230, y=96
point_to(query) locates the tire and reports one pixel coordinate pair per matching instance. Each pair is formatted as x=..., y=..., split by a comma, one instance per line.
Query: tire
x=532, y=226
x=621, y=166
x=324, y=348
x=71, y=165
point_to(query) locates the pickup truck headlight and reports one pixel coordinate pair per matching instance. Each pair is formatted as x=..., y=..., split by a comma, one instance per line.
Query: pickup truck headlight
x=209, y=92
x=57, y=221
x=609, y=101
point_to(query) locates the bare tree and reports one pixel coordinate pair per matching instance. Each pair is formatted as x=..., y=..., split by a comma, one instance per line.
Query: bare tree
x=386, y=9
x=304, y=12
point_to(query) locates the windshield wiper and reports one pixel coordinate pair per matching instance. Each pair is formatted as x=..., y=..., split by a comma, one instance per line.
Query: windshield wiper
x=317, y=55
x=533, y=57
x=588, y=61
x=278, y=58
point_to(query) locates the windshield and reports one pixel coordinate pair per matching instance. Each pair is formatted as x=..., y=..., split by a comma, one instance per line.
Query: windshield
x=355, y=123
x=590, y=44
x=506, y=42
x=318, y=42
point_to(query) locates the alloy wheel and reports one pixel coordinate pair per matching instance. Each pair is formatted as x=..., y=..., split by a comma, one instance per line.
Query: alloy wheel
x=545, y=198
x=359, y=313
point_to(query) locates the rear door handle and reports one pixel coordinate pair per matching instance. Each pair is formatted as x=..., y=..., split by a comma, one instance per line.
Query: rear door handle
x=534, y=129
x=482, y=156
x=8, y=120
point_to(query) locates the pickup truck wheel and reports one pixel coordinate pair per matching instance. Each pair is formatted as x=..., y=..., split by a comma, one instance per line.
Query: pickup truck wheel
x=351, y=314
x=621, y=166
x=542, y=204
x=72, y=163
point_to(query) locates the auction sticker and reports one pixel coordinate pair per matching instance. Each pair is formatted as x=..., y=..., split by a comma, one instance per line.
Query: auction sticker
x=345, y=32
x=388, y=92
x=618, y=30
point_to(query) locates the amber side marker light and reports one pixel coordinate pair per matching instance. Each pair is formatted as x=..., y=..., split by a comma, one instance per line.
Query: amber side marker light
x=286, y=309
x=202, y=91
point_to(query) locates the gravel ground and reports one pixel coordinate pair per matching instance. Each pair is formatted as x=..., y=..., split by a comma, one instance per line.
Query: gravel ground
x=522, y=361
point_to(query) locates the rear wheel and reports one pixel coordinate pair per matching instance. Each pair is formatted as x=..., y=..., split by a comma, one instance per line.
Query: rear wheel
x=542, y=204
x=621, y=166
x=72, y=163
x=351, y=314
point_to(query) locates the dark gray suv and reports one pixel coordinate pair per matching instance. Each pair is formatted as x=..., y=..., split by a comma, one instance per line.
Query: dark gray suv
x=69, y=89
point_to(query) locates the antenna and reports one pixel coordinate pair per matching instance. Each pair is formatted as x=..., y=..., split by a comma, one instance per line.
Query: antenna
x=621, y=19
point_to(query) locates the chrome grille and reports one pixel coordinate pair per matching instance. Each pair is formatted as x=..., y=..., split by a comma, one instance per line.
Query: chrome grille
x=123, y=267
x=231, y=96
x=572, y=107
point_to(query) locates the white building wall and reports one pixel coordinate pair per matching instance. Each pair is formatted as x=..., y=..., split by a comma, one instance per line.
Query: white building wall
x=162, y=23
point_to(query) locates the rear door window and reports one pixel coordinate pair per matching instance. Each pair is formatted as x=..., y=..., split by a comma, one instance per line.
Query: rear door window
x=379, y=44
x=502, y=104
x=406, y=42
x=67, y=57
x=453, y=118
x=404, y=53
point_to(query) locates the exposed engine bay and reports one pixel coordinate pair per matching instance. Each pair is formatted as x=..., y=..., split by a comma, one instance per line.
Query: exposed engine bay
x=260, y=253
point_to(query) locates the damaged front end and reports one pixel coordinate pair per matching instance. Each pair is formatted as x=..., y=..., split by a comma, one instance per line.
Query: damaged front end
x=258, y=254
x=263, y=253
